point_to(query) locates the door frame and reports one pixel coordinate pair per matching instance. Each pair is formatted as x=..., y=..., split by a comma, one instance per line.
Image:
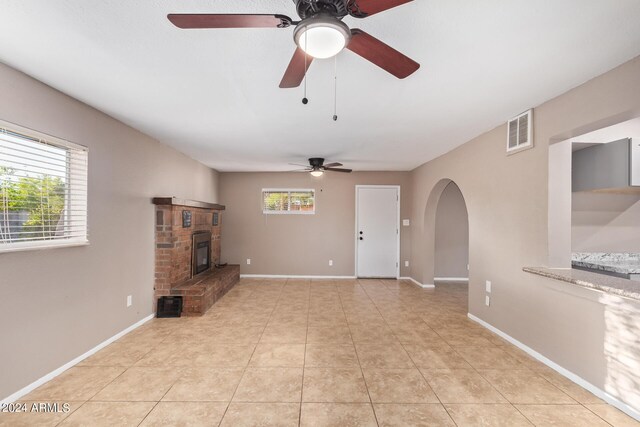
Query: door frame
x=355, y=238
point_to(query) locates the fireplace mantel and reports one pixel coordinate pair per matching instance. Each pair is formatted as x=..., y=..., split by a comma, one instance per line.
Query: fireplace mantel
x=174, y=201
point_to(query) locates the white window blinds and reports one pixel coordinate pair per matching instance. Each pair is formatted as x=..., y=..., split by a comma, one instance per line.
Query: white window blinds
x=43, y=190
x=288, y=201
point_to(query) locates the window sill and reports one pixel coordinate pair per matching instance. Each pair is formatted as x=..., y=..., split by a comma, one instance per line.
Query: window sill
x=32, y=246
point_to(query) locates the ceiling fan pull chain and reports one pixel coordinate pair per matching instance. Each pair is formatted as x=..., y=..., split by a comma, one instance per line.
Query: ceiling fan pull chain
x=335, y=88
x=305, y=101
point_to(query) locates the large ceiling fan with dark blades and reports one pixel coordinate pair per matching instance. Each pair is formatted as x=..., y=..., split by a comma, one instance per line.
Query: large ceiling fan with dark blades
x=317, y=167
x=319, y=34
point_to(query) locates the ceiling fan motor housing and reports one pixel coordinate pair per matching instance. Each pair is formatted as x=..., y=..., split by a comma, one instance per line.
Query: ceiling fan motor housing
x=310, y=8
x=316, y=162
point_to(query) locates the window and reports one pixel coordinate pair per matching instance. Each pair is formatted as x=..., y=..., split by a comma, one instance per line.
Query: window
x=288, y=201
x=43, y=190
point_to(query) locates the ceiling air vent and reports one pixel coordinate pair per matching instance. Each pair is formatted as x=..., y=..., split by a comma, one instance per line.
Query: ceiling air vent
x=519, y=134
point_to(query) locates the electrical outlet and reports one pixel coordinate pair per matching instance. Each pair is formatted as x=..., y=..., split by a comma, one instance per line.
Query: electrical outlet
x=406, y=222
x=488, y=286
x=330, y=262
x=248, y=261
x=487, y=300
x=129, y=300
x=406, y=263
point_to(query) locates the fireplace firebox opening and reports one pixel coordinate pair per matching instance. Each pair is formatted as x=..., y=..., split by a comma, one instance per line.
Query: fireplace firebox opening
x=201, y=253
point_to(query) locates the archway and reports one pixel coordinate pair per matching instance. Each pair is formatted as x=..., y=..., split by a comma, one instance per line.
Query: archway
x=452, y=198
x=451, y=246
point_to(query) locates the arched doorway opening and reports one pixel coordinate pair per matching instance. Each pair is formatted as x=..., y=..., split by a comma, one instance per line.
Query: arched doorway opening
x=451, y=240
x=453, y=213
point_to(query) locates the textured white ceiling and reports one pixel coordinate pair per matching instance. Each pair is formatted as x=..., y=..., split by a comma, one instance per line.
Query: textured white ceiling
x=213, y=94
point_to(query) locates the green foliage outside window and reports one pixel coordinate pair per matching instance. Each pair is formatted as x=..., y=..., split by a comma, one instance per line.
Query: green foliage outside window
x=286, y=201
x=30, y=206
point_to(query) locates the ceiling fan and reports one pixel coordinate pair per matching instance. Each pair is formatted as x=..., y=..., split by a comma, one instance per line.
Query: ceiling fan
x=319, y=34
x=317, y=167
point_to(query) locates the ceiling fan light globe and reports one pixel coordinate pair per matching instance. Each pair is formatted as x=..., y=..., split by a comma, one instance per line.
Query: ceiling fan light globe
x=321, y=37
x=317, y=173
x=321, y=42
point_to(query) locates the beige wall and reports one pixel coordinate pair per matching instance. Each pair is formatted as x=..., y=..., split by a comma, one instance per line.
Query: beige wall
x=59, y=303
x=62, y=302
x=602, y=222
x=451, y=234
x=506, y=199
x=300, y=244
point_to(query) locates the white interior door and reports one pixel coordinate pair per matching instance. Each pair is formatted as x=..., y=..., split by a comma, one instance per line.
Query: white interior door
x=377, y=231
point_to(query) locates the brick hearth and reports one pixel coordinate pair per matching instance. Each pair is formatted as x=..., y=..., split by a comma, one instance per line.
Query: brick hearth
x=201, y=292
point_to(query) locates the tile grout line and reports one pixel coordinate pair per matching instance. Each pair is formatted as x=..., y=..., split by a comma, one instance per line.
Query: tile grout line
x=244, y=370
x=95, y=394
x=353, y=343
x=594, y=413
x=126, y=368
x=304, y=360
x=409, y=356
x=512, y=404
x=158, y=402
x=420, y=371
x=476, y=371
x=134, y=365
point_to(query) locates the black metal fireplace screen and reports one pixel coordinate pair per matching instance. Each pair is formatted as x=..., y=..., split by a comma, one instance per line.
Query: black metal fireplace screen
x=201, y=253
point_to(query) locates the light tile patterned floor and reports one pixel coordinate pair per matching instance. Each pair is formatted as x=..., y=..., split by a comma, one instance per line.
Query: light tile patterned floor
x=319, y=353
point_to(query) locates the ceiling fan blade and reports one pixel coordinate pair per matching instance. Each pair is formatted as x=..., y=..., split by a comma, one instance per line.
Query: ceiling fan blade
x=298, y=164
x=333, y=165
x=364, y=8
x=381, y=54
x=201, y=20
x=296, y=69
x=338, y=170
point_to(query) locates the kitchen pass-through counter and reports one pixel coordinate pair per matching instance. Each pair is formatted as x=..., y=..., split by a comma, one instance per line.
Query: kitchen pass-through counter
x=587, y=279
x=624, y=265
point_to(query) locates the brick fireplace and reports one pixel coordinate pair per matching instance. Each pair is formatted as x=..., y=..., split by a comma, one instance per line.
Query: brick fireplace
x=187, y=248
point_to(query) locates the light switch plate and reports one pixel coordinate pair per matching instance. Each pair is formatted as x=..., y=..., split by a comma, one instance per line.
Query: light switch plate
x=488, y=286
x=330, y=262
x=487, y=300
x=406, y=222
x=129, y=300
x=406, y=263
x=248, y=261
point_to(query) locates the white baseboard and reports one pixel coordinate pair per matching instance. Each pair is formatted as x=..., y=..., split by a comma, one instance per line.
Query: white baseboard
x=422, y=285
x=450, y=279
x=562, y=371
x=51, y=375
x=292, y=276
x=289, y=276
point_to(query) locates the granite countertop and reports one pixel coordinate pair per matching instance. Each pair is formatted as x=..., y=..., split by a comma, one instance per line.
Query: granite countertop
x=609, y=284
x=623, y=263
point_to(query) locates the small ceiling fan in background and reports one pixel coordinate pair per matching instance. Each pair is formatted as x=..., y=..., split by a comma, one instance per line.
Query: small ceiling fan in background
x=319, y=34
x=317, y=167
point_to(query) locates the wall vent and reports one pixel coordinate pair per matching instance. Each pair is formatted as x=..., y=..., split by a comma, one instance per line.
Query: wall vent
x=519, y=132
